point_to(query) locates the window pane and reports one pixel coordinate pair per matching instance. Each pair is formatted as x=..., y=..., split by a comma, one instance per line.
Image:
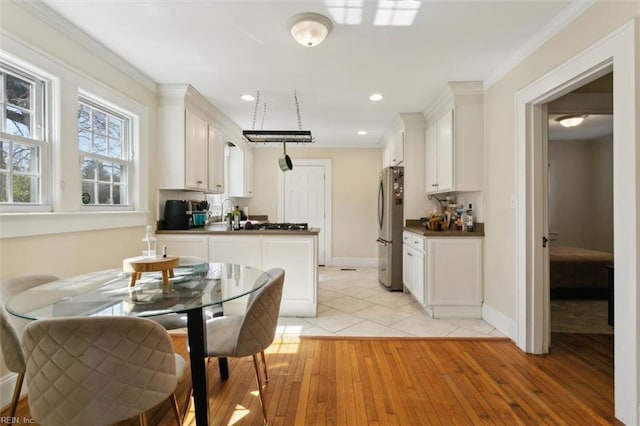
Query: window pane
x=115, y=128
x=25, y=158
x=99, y=144
x=88, y=170
x=115, y=148
x=25, y=189
x=105, y=172
x=116, y=195
x=4, y=187
x=99, y=122
x=104, y=193
x=117, y=173
x=88, y=193
x=18, y=92
x=18, y=122
x=84, y=141
x=84, y=117
x=4, y=155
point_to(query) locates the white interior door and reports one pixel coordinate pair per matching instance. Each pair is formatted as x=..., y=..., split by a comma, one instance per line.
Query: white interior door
x=304, y=196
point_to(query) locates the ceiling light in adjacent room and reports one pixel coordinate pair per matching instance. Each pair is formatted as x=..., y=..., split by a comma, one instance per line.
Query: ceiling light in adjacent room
x=310, y=29
x=376, y=97
x=248, y=98
x=571, y=120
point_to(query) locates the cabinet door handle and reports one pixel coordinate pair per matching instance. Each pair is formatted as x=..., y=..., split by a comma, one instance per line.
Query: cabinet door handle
x=218, y=185
x=199, y=182
x=434, y=184
x=410, y=254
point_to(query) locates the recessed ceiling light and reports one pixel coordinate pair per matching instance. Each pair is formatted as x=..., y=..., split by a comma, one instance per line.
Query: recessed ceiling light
x=376, y=97
x=362, y=132
x=248, y=98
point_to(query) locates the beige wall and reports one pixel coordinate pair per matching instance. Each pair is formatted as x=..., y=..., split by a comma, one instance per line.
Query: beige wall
x=500, y=173
x=581, y=187
x=354, y=202
x=70, y=254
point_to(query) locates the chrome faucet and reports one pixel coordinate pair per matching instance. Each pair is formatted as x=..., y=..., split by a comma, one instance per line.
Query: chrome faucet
x=222, y=215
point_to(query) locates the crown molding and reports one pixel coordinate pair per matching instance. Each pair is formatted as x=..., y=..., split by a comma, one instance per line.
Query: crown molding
x=65, y=27
x=564, y=18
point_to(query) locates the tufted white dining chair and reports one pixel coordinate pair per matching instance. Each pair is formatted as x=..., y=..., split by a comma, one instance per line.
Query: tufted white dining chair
x=97, y=370
x=11, y=328
x=249, y=334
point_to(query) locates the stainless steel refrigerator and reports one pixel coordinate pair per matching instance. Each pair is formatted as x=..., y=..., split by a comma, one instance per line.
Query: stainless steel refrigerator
x=390, y=224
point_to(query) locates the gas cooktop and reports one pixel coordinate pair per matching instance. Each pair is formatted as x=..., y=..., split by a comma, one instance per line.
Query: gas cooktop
x=286, y=226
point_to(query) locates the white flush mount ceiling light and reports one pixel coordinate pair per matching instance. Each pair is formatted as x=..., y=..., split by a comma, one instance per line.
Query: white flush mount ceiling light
x=310, y=29
x=376, y=97
x=571, y=120
x=247, y=97
x=362, y=132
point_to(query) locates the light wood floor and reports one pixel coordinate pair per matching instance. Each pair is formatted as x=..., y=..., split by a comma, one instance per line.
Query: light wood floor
x=413, y=382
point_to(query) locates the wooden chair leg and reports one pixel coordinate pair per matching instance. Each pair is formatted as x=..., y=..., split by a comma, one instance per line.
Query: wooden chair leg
x=176, y=409
x=16, y=394
x=264, y=367
x=142, y=418
x=264, y=408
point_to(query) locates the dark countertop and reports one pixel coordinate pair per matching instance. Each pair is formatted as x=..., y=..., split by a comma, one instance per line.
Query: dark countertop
x=221, y=229
x=415, y=227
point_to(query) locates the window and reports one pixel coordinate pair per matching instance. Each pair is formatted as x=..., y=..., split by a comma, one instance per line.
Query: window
x=105, y=155
x=23, y=144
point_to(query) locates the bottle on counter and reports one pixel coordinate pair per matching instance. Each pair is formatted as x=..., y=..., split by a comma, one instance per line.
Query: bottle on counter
x=468, y=219
x=236, y=218
x=149, y=241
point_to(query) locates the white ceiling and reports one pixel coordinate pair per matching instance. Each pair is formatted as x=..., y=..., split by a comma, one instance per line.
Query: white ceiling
x=226, y=48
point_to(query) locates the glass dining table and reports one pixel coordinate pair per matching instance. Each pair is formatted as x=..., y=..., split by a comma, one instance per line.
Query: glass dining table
x=194, y=287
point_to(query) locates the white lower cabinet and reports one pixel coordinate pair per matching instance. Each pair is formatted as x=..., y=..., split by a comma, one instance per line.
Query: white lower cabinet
x=444, y=275
x=184, y=245
x=454, y=277
x=245, y=250
x=413, y=264
x=298, y=256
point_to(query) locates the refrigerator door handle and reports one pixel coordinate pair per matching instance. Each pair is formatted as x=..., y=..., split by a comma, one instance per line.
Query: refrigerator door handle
x=380, y=204
x=381, y=242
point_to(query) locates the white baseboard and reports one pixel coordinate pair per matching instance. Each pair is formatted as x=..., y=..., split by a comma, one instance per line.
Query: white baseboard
x=358, y=262
x=7, y=384
x=500, y=321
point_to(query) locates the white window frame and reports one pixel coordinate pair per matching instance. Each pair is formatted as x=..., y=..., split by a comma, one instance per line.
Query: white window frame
x=42, y=99
x=129, y=161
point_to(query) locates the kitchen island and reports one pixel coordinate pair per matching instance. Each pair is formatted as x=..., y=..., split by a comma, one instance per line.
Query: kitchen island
x=295, y=251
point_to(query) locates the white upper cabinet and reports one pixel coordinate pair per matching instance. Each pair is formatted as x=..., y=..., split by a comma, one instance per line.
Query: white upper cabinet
x=190, y=148
x=216, y=160
x=454, y=139
x=439, y=155
x=393, y=151
x=240, y=182
x=196, y=142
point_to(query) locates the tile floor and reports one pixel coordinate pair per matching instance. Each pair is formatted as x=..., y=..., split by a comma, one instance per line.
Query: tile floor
x=353, y=303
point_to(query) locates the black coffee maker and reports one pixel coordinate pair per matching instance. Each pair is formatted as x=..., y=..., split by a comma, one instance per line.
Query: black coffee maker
x=176, y=214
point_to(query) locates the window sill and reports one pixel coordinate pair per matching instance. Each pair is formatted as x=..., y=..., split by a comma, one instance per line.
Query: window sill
x=15, y=225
